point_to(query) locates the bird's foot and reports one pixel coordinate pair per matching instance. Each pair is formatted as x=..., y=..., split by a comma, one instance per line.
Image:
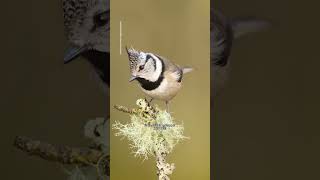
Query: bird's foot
x=149, y=102
x=167, y=106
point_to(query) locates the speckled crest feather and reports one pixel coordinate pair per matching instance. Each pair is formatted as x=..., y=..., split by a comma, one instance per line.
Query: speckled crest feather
x=73, y=10
x=133, y=57
x=76, y=14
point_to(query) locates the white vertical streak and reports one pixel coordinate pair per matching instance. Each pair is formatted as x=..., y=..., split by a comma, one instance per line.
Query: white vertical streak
x=120, y=37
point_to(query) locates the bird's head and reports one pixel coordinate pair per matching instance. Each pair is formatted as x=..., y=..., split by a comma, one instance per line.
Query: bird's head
x=143, y=65
x=87, y=26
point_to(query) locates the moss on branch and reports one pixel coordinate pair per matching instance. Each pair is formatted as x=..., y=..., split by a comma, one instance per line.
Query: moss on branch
x=151, y=132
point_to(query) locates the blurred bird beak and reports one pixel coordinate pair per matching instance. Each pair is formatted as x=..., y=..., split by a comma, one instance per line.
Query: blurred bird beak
x=72, y=53
x=132, y=78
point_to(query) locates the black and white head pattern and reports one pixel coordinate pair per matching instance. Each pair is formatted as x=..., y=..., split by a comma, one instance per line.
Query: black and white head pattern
x=145, y=66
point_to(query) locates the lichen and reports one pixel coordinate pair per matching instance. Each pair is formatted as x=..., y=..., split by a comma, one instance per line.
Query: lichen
x=150, y=128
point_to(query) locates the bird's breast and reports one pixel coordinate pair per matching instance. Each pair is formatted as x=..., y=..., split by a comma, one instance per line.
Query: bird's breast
x=167, y=90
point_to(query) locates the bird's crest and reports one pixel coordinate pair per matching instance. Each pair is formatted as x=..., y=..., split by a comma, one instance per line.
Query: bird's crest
x=133, y=56
x=72, y=9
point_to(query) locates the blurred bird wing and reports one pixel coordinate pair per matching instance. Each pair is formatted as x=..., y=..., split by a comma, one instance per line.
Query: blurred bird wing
x=243, y=26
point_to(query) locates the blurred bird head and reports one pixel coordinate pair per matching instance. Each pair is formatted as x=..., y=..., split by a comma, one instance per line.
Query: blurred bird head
x=223, y=32
x=87, y=27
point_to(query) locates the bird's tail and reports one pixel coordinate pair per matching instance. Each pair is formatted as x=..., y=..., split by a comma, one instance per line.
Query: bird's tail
x=186, y=69
x=243, y=26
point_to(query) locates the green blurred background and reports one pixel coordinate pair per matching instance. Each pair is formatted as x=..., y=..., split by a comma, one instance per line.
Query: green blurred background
x=179, y=31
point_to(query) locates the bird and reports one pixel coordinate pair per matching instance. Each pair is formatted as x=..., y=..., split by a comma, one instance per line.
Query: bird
x=223, y=32
x=87, y=28
x=159, y=78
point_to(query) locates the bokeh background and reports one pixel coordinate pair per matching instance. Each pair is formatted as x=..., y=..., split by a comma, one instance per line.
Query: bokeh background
x=40, y=96
x=266, y=122
x=179, y=31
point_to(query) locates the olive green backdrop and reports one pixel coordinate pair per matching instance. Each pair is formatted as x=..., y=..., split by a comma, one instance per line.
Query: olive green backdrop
x=179, y=31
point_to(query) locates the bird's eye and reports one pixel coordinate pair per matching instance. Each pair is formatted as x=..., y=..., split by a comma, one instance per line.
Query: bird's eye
x=101, y=19
x=141, y=67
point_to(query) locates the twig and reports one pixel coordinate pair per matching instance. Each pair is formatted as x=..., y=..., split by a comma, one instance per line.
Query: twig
x=145, y=109
x=61, y=154
x=125, y=109
x=164, y=169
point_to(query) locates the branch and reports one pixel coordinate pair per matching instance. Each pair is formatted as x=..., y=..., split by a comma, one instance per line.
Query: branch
x=164, y=169
x=125, y=109
x=145, y=109
x=61, y=154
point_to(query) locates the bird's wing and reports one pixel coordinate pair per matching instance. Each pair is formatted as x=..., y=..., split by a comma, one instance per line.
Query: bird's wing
x=172, y=69
x=169, y=66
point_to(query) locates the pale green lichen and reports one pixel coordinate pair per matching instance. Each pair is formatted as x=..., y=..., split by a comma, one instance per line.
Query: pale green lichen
x=150, y=129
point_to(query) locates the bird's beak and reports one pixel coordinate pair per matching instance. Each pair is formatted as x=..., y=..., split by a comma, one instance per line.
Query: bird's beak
x=132, y=78
x=72, y=53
